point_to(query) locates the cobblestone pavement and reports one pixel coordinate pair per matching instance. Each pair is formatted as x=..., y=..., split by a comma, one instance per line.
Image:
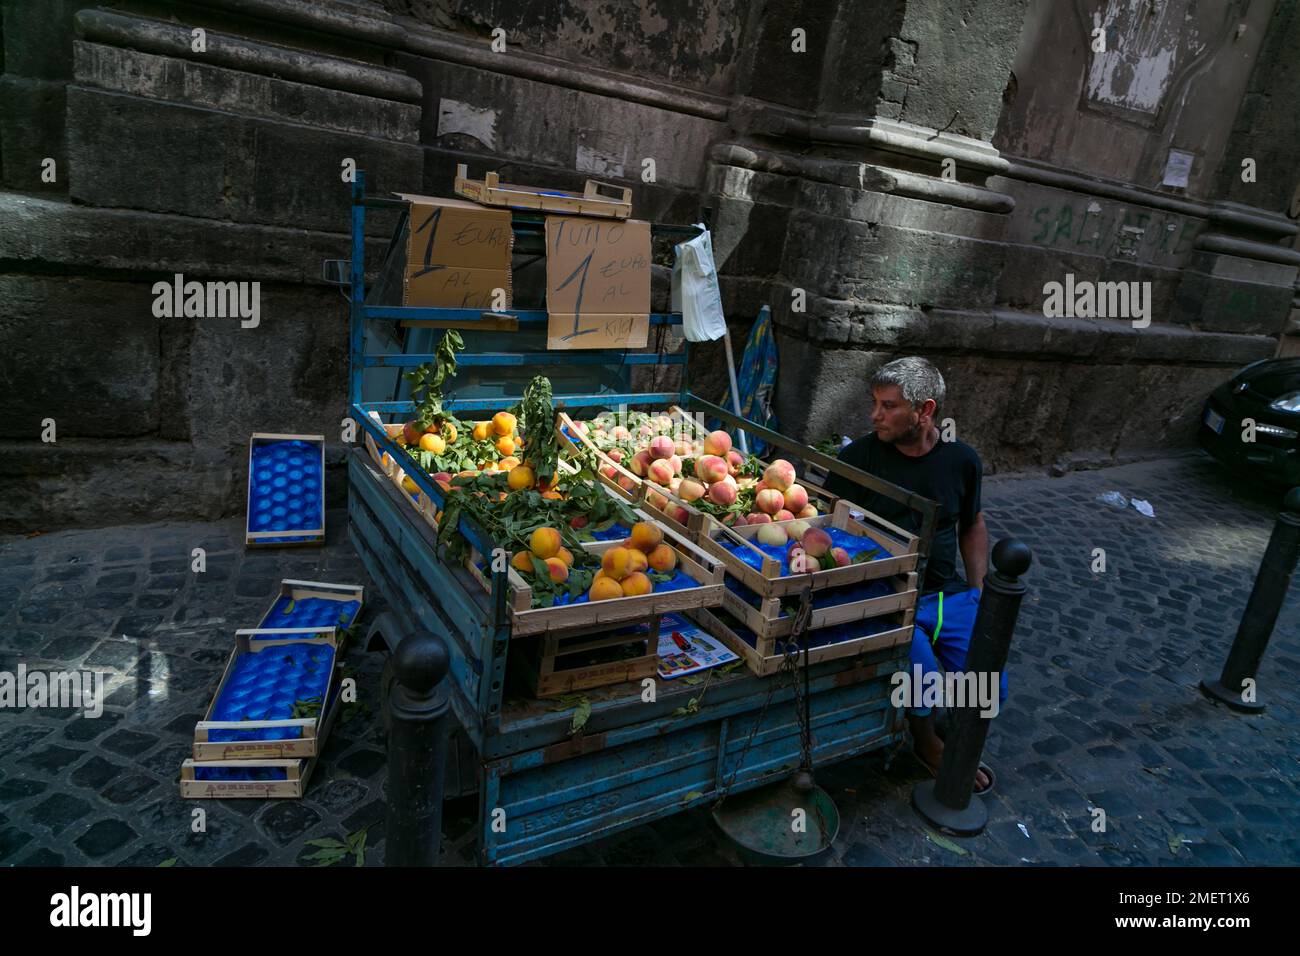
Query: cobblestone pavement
x=1103, y=713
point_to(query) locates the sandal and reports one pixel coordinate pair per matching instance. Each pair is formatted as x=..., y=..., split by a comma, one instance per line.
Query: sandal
x=988, y=771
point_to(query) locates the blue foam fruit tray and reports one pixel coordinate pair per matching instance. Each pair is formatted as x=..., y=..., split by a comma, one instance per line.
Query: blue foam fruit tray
x=852, y=543
x=311, y=612
x=265, y=685
x=285, y=483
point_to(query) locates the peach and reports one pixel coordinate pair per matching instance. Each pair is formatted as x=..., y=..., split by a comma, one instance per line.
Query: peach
x=783, y=515
x=580, y=427
x=803, y=564
x=841, y=557
x=794, y=548
x=735, y=462
x=602, y=589
x=609, y=471
x=522, y=561
x=675, y=485
x=769, y=500
x=676, y=462
x=640, y=463
x=728, y=480
x=660, y=471
x=771, y=534
x=711, y=468
x=761, y=485
x=441, y=476
x=759, y=518
x=655, y=500
x=684, y=448
x=638, y=562
x=662, y=558
x=678, y=514
x=661, y=447
x=627, y=482
x=619, y=433
x=808, y=512
x=521, y=477
x=816, y=542
x=646, y=537
x=779, y=475
x=717, y=443
x=645, y=431
x=796, y=529
x=557, y=569
x=578, y=521
x=412, y=432
x=690, y=490
x=545, y=543
x=615, y=455
x=796, y=497
x=721, y=493
x=636, y=584
x=733, y=518
x=617, y=563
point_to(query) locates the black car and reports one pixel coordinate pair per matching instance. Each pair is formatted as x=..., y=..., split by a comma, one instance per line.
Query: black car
x=1267, y=393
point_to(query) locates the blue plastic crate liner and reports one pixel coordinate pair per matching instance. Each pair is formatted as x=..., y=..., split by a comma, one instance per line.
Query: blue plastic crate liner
x=311, y=612
x=257, y=774
x=285, y=488
x=852, y=543
x=827, y=597
x=265, y=686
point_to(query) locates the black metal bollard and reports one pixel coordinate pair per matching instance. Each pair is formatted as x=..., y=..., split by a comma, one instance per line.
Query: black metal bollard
x=946, y=801
x=419, y=715
x=1261, y=612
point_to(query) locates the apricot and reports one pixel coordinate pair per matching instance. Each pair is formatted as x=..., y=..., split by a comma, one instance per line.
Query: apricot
x=434, y=443
x=662, y=559
x=638, y=561
x=522, y=561
x=506, y=446
x=646, y=537
x=521, y=477
x=545, y=543
x=565, y=555
x=617, y=563
x=503, y=423
x=636, y=584
x=449, y=433
x=604, y=588
x=480, y=431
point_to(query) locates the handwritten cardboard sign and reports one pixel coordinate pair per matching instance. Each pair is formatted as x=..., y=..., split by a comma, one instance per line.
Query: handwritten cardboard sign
x=457, y=254
x=597, y=283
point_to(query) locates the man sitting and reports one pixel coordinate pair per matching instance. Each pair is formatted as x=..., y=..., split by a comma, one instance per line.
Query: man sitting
x=905, y=449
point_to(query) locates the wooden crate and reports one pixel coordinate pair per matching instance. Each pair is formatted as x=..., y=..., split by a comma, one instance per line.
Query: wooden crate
x=298, y=590
x=381, y=458
x=550, y=678
x=765, y=664
x=308, y=732
x=767, y=581
x=770, y=624
x=297, y=771
x=277, y=539
x=639, y=491
x=596, y=198
x=527, y=620
x=815, y=489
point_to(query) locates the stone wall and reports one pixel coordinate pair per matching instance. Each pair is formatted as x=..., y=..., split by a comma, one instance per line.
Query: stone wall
x=908, y=172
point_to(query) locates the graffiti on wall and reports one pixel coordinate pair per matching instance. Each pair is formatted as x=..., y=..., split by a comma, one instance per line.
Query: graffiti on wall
x=1086, y=226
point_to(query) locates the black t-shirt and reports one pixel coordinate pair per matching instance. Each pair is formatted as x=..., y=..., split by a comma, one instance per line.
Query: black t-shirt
x=948, y=474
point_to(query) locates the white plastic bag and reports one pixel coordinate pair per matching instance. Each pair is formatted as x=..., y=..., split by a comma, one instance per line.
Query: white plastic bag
x=695, y=292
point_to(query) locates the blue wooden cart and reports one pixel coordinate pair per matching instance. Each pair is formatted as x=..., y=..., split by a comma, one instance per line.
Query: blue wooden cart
x=542, y=789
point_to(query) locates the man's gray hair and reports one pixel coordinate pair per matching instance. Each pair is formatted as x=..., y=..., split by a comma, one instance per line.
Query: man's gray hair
x=915, y=377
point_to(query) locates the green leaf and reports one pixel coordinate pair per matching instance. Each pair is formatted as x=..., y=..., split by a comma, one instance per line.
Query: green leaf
x=328, y=842
x=170, y=861
x=944, y=842
x=580, y=716
x=692, y=795
x=288, y=608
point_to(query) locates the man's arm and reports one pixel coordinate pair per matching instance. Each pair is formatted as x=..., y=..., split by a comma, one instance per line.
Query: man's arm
x=974, y=544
